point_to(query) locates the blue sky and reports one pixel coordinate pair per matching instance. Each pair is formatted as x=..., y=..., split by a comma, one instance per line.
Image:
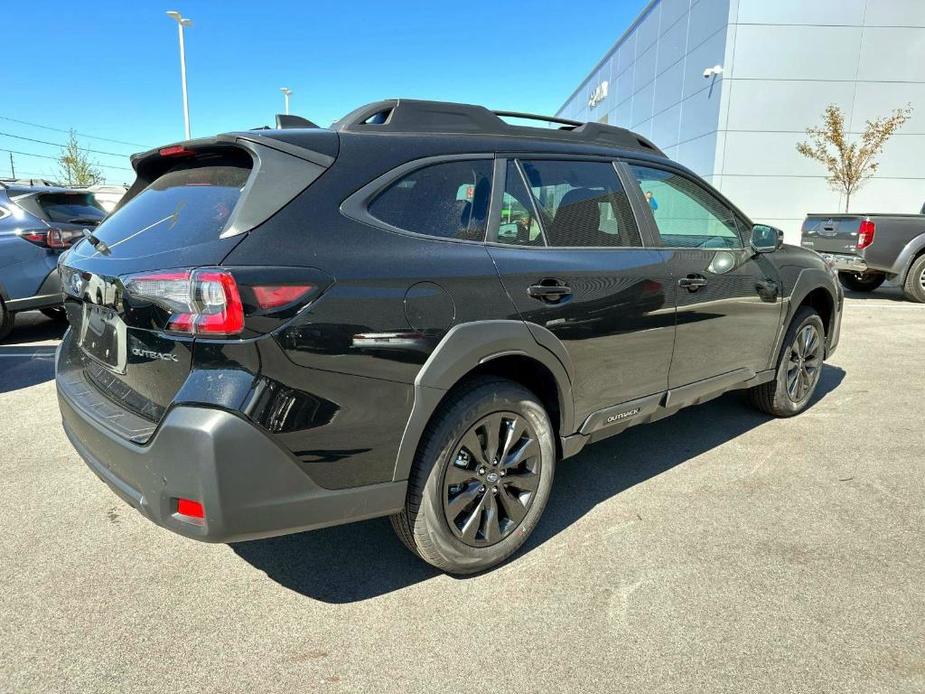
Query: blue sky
x=111, y=69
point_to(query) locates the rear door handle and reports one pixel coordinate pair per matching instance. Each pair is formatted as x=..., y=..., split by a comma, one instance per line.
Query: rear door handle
x=693, y=282
x=549, y=292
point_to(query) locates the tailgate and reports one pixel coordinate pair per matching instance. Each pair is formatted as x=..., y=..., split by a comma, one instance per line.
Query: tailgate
x=832, y=233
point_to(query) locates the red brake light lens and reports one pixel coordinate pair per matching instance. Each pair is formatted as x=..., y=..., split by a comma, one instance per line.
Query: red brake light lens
x=276, y=296
x=176, y=151
x=188, y=507
x=37, y=236
x=866, y=233
x=200, y=302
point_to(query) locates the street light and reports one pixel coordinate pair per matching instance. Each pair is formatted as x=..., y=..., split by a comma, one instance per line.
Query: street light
x=286, y=92
x=182, y=22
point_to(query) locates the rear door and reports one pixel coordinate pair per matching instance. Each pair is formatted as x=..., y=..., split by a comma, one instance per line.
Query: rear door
x=571, y=256
x=728, y=298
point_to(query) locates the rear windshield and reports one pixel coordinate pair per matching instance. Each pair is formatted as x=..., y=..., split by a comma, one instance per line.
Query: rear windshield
x=80, y=208
x=181, y=208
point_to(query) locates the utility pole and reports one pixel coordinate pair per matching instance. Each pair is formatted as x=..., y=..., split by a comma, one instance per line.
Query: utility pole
x=12, y=165
x=286, y=93
x=181, y=23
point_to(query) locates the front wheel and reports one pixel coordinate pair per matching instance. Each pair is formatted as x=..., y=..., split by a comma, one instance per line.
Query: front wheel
x=481, y=478
x=799, y=367
x=861, y=281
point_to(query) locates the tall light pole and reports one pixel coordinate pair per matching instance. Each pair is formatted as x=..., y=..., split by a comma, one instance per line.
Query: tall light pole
x=286, y=92
x=183, y=22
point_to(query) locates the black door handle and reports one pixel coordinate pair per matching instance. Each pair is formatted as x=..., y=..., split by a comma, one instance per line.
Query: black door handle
x=549, y=292
x=693, y=282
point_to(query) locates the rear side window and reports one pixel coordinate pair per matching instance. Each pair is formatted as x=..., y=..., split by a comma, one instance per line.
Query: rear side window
x=448, y=200
x=180, y=208
x=687, y=215
x=518, y=225
x=582, y=203
x=80, y=208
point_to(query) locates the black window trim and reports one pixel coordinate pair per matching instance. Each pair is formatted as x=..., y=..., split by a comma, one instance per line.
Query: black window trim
x=495, y=219
x=623, y=167
x=356, y=205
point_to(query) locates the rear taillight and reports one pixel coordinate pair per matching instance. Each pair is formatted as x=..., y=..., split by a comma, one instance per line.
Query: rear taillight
x=201, y=302
x=278, y=296
x=37, y=236
x=57, y=239
x=866, y=232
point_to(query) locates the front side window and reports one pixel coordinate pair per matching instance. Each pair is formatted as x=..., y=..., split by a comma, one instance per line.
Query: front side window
x=687, y=216
x=448, y=200
x=582, y=203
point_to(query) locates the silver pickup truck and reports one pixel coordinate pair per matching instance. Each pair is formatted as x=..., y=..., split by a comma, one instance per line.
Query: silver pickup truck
x=867, y=249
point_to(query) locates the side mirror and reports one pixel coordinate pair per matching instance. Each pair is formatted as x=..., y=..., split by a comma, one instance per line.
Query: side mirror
x=766, y=239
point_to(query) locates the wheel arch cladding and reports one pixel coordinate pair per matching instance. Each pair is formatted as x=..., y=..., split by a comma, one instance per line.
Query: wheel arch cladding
x=822, y=301
x=505, y=348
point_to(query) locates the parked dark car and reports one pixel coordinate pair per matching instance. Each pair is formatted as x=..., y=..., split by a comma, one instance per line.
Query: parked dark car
x=868, y=249
x=280, y=330
x=37, y=223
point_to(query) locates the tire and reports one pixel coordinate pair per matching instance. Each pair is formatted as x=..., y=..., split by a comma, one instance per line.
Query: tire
x=7, y=319
x=783, y=397
x=57, y=314
x=861, y=281
x=450, y=483
x=914, y=286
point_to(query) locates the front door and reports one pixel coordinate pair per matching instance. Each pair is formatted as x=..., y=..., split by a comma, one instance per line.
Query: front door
x=569, y=253
x=728, y=298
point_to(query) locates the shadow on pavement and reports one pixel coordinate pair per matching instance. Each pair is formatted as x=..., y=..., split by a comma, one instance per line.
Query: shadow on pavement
x=32, y=326
x=886, y=292
x=22, y=366
x=363, y=560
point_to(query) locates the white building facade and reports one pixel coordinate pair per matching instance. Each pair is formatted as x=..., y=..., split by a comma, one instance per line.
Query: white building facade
x=771, y=66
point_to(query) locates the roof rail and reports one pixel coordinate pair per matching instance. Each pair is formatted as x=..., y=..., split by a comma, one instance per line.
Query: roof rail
x=412, y=115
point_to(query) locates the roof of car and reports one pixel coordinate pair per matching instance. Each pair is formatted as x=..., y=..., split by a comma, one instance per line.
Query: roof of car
x=435, y=117
x=24, y=186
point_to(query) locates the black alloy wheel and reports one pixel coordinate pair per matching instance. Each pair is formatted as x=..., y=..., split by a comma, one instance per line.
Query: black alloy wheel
x=492, y=480
x=805, y=363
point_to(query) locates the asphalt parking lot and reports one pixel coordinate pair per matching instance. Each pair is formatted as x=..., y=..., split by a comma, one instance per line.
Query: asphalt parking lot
x=718, y=550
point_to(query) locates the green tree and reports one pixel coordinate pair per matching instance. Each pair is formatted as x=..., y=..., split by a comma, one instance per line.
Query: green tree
x=850, y=163
x=74, y=165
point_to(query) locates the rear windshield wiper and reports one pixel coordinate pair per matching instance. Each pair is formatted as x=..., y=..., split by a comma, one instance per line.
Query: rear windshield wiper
x=97, y=243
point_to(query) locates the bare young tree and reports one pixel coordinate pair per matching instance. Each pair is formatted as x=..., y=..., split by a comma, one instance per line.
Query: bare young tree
x=74, y=165
x=850, y=163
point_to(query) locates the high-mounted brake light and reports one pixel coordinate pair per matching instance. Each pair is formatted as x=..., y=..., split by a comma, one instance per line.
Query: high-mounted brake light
x=176, y=151
x=866, y=232
x=201, y=302
x=276, y=296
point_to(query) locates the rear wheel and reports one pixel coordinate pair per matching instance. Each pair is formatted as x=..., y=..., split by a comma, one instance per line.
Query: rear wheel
x=861, y=281
x=481, y=478
x=914, y=288
x=799, y=367
x=7, y=318
x=56, y=314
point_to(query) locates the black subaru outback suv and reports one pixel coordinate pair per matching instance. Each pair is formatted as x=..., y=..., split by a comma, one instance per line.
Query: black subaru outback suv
x=415, y=313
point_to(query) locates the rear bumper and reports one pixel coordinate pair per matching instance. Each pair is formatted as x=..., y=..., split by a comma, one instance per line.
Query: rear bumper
x=250, y=488
x=845, y=263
